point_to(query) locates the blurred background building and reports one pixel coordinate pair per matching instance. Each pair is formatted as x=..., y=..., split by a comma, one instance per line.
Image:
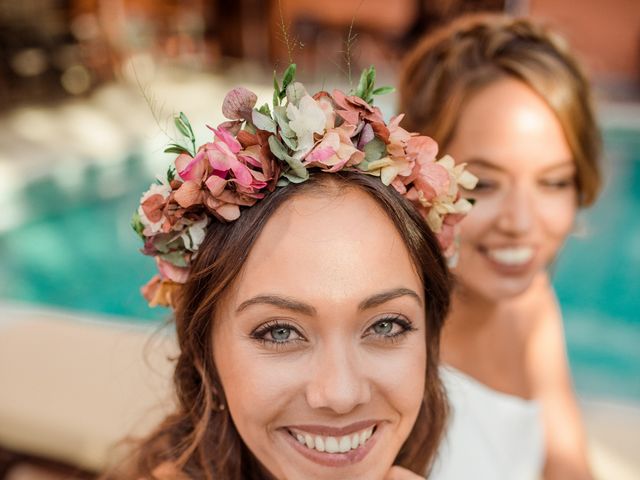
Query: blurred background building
x=87, y=93
x=54, y=48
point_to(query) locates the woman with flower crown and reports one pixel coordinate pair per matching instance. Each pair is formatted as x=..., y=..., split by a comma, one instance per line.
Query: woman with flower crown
x=506, y=96
x=301, y=250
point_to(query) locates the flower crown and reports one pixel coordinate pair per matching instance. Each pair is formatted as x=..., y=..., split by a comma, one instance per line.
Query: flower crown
x=261, y=149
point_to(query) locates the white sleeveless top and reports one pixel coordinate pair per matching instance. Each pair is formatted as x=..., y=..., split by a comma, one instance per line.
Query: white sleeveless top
x=491, y=435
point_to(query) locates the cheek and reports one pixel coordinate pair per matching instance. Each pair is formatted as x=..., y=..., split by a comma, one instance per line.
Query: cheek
x=400, y=378
x=558, y=216
x=481, y=218
x=476, y=224
x=255, y=386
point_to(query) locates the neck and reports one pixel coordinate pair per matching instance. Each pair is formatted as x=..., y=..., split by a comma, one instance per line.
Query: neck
x=470, y=310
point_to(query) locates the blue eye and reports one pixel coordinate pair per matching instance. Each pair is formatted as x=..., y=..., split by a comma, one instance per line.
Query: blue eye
x=390, y=328
x=384, y=327
x=276, y=332
x=280, y=334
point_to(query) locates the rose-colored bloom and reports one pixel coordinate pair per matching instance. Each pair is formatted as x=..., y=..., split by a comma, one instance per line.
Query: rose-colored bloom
x=256, y=147
x=335, y=151
x=238, y=104
x=151, y=210
x=169, y=271
x=326, y=104
x=435, y=192
x=190, y=168
x=354, y=110
x=189, y=193
x=238, y=167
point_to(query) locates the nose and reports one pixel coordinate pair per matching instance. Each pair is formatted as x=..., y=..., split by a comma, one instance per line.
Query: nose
x=336, y=380
x=517, y=212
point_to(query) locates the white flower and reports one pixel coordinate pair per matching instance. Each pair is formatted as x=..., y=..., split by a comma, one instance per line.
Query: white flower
x=306, y=119
x=194, y=235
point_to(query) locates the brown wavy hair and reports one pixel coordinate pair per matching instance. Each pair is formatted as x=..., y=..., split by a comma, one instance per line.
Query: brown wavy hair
x=450, y=65
x=199, y=440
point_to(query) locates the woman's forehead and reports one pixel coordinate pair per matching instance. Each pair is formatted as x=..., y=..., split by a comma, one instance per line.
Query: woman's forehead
x=510, y=126
x=322, y=247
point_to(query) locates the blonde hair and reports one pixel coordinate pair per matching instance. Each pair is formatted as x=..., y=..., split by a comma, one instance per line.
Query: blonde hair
x=452, y=64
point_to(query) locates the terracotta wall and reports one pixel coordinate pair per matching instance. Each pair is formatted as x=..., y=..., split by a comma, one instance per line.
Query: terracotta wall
x=606, y=33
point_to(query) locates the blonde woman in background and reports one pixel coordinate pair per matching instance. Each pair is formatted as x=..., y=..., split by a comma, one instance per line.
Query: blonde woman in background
x=505, y=96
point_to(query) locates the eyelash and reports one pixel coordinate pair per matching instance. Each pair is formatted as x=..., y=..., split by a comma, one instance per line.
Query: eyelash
x=402, y=322
x=484, y=185
x=558, y=184
x=260, y=333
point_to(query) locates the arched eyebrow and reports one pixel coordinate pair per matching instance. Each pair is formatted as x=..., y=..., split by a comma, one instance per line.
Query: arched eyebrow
x=383, y=297
x=279, y=302
x=565, y=164
x=484, y=163
x=286, y=303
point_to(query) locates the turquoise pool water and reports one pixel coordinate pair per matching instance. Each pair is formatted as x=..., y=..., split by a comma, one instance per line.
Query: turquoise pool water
x=76, y=250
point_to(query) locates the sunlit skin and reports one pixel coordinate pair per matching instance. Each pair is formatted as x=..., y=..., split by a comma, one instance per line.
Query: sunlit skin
x=324, y=331
x=505, y=326
x=526, y=195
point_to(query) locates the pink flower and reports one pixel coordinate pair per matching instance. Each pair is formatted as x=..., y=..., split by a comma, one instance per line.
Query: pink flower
x=238, y=104
x=335, y=151
x=435, y=192
x=354, y=110
x=152, y=207
x=190, y=168
x=222, y=156
x=169, y=271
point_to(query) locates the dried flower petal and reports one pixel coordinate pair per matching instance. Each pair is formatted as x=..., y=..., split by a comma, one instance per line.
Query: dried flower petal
x=238, y=104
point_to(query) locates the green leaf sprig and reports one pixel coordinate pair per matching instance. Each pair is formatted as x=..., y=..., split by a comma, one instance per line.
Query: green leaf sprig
x=280, y=92
x=184, y=127
x=366, y=88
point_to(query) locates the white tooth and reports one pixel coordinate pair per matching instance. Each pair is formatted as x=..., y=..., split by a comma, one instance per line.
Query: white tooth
x=345, y=444
x=319, y=444
x=368, y=433
x=308, y=439
x=331, y=445
x=355, y=441
x=362, y=437
x=512, y=256
x=300, y=438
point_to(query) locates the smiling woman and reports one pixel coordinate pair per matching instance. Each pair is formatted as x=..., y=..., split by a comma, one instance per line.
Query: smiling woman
x=505, y=96
x=315, y=362
x=302, y=253
x=309, y=333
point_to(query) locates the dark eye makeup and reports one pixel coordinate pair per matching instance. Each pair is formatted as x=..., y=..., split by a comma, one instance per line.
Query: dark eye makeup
x=280, y=333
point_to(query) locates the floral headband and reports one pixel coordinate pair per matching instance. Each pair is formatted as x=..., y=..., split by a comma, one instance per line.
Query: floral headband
x=261, y=149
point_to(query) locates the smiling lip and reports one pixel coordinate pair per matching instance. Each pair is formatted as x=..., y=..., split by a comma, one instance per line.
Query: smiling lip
x=513, y=269
x=333, y=459
x=335, y=431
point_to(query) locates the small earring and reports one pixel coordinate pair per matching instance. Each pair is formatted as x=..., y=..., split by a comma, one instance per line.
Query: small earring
x=218, y=402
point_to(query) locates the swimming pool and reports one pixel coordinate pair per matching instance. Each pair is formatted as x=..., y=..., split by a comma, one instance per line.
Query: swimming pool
x=75, y=249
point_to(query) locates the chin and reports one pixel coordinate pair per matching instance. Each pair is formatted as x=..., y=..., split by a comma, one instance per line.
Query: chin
x=496, y=289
